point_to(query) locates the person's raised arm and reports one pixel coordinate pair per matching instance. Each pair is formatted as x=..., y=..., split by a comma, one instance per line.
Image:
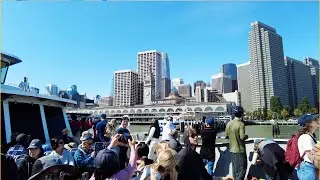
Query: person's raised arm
x=150, y=135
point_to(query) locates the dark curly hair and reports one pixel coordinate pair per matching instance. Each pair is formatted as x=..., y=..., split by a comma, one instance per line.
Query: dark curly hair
x=55, y=142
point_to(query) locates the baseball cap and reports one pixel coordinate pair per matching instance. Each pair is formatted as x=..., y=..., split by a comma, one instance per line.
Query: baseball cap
x=86, y=135
x=47, y=164
x=103, y=116
x=107, y=159
x=125, y=117
x=35, y=143
x=256, y=141
x=210, y=121
x=304, y=119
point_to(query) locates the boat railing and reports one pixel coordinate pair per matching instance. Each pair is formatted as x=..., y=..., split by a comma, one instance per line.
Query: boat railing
x=142, y=136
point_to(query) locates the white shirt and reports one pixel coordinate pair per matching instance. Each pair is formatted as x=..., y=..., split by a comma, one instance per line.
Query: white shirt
x=305, y=142
x=151, y=133
x=66, y=157
x=166, y=131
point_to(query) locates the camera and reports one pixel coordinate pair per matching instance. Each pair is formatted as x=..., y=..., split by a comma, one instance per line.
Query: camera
x=125, y=137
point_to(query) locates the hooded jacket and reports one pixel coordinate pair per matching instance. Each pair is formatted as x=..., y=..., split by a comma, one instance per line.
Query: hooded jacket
x=190, y=163
x=25, y=166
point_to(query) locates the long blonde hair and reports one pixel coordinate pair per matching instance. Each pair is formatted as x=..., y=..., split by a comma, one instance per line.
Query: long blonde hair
x=166, y=163
x=163, y=145
x=110, y=128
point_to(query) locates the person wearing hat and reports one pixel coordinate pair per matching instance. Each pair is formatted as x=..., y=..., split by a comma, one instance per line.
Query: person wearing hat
x=272, y=158
x=51, y=167
x=167, y=128
x=107, y=162
x=20, y=149
x=84, y=155
x=306, y=142
x=25, y=165
x=100, y=128
x=235, y=132
x=173, y=142
x=207, y=151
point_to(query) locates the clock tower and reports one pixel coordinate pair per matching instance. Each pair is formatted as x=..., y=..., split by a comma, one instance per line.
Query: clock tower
x=149, y=89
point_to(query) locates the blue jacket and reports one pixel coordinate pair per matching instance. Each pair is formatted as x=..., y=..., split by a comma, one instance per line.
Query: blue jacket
x=83, y=159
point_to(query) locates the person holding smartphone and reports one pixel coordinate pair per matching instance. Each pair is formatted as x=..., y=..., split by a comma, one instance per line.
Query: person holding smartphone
x=125, y=135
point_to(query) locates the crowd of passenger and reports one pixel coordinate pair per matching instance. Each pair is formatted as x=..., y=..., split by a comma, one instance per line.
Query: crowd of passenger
x=106, y=151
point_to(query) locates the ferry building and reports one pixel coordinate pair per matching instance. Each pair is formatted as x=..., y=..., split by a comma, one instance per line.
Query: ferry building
x=172, y=105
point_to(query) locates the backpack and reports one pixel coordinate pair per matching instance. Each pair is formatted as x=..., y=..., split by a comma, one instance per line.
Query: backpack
x=292, y=154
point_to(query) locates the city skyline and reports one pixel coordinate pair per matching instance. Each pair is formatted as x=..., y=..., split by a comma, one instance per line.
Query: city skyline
x=196, y=49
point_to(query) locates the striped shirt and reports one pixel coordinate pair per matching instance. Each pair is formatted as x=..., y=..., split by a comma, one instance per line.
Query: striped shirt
x=17, y=150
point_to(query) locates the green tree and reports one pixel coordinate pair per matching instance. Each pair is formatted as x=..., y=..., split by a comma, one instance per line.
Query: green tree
x=297, y=112
x=313, y=110
x=305, y=105
x=259, y=113
x=265, y=113
x=248, y=114
x=289, y=109
x=269, y=115
x=255, y=114
x=275, y=104
x=284, y=113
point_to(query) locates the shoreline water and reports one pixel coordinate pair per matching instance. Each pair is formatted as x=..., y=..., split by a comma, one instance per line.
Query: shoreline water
x=253, y=131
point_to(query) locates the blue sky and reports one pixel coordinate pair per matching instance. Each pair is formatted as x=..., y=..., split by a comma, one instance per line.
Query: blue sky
x=83, y=43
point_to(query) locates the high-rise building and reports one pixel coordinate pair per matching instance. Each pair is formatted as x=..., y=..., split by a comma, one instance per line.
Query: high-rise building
x=222, y=83
x=233, y=97
x=299, y=81
x=165, y=67
x=314, y=70
x=165, y=76
x=185, y=90
x=267, y=68
x=147, y=60
x=199, y=83
x=106, y=101
x=125, y=88
x=244, y=86
x=311, y=62
x=52, y=90
x=175, y=83
x=210, y=95
x=199, y=94
x=231, y=70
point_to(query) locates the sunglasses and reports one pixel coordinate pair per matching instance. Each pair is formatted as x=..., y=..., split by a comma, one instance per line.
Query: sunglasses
x=193, y=135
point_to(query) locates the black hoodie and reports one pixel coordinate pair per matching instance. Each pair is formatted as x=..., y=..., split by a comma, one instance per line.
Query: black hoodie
x=190, y=164
x=25, y=166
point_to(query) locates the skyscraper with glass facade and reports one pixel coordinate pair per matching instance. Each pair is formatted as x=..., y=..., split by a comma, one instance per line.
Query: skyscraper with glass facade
x=165, y=76
x=230, y=69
